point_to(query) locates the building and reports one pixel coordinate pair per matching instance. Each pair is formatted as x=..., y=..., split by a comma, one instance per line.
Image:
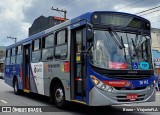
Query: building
x=43, y=23
x=155, y=34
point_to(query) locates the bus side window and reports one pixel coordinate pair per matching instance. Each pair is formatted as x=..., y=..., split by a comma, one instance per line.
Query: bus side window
x=61, y=44
x=36, y=50
x=13, y=57
x=47, y=47
x=18, y=54
x=7, y=57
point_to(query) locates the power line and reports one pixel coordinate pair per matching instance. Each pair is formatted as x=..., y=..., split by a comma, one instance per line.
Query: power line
x=131, y=4
x=64, y=3
x=76, y=2
x=148, y=10
x=151, y=12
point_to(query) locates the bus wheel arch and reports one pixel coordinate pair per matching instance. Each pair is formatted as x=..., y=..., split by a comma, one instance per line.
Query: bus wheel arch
x=57, y=92
x=15, y=85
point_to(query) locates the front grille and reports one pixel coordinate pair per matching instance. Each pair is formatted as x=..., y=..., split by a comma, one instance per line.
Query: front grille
x=128, y=77
x=128, y=88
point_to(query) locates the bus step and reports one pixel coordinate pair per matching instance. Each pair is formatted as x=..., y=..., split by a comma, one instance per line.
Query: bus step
x=77, y=101
x=26, y=90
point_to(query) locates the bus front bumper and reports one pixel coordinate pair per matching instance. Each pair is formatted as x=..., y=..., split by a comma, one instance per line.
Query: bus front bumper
x=99, y=97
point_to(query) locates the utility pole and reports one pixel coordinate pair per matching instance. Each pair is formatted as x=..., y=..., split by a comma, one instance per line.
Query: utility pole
x=12, y=38
x=64, y=11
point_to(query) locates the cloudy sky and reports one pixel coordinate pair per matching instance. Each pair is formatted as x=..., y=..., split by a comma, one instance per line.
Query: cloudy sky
x=16, y=16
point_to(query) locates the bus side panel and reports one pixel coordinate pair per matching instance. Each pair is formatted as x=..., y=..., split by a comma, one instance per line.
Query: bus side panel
x=56, y=69
x=33, y=87
x=37, y=78
x=12, y=71
x=8, y=77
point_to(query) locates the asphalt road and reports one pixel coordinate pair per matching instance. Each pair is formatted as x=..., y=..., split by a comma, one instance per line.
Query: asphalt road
x=8, y=98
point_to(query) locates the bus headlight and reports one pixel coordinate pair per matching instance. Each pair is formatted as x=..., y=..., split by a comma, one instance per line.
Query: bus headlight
x=98, y=83
x=103, y=86
x=150, y=87
x=110, y=89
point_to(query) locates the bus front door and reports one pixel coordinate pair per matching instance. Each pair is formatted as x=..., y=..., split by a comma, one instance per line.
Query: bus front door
x=26, y=67
x=78, y=84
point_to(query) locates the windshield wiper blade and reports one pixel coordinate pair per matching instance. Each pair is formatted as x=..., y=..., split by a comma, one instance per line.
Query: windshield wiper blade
x=135, y=49
x=140, y=40
x=124, y=49
x=117, y=39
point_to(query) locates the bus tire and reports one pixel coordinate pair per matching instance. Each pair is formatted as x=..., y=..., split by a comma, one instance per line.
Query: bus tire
x=59, y=95
x=15, y=87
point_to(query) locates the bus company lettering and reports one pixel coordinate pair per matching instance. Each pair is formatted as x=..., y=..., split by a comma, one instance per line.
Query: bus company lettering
x=53, y=65
x=40, y=65
x=121, y=83
x=144, y=82
x=49, y=67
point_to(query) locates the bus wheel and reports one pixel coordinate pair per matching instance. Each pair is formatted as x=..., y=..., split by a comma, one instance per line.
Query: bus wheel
x=15, y=86
x=58, y=95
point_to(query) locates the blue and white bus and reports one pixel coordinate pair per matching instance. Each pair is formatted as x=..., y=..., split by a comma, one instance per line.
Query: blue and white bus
x=98, y=58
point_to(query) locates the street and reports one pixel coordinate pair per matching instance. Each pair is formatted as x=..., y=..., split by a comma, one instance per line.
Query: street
x=8, y=98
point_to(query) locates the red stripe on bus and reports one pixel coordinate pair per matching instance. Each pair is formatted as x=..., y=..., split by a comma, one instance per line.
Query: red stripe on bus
x=116, y=83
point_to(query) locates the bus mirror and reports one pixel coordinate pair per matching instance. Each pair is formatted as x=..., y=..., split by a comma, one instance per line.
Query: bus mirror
x=90, y=35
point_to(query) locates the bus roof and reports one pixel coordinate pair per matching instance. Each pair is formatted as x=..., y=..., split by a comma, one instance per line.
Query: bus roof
x=86, y=16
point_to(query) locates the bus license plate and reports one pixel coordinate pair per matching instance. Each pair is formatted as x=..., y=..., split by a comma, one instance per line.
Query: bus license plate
x=132, y=96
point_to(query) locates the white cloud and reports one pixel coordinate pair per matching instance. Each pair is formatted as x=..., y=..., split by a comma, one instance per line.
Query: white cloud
x=16, y=16
x=11, y=17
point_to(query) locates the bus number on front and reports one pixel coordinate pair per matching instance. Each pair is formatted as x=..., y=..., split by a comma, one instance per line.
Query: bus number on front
x=144, y=82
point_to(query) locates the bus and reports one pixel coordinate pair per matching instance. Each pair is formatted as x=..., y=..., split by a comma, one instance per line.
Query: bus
x=99, y=58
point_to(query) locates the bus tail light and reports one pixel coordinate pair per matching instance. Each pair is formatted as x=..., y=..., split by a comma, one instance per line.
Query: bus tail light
x=66, y=66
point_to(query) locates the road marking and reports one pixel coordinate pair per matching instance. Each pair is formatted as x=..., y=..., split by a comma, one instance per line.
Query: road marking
x=157, y=93
x=126, y=105
x=122, y=104
x=3, y=101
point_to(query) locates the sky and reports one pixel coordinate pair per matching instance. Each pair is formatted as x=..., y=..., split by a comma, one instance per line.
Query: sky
x=16, y=16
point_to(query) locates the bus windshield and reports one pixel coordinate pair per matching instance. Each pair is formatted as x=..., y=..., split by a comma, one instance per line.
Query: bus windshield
x=121, y=51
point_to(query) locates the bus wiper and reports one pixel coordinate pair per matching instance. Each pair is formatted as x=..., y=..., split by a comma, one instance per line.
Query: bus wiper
x=117, y=39
x=124, y=49
x=135, y=49
x=140, y=40
x=137, y=45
